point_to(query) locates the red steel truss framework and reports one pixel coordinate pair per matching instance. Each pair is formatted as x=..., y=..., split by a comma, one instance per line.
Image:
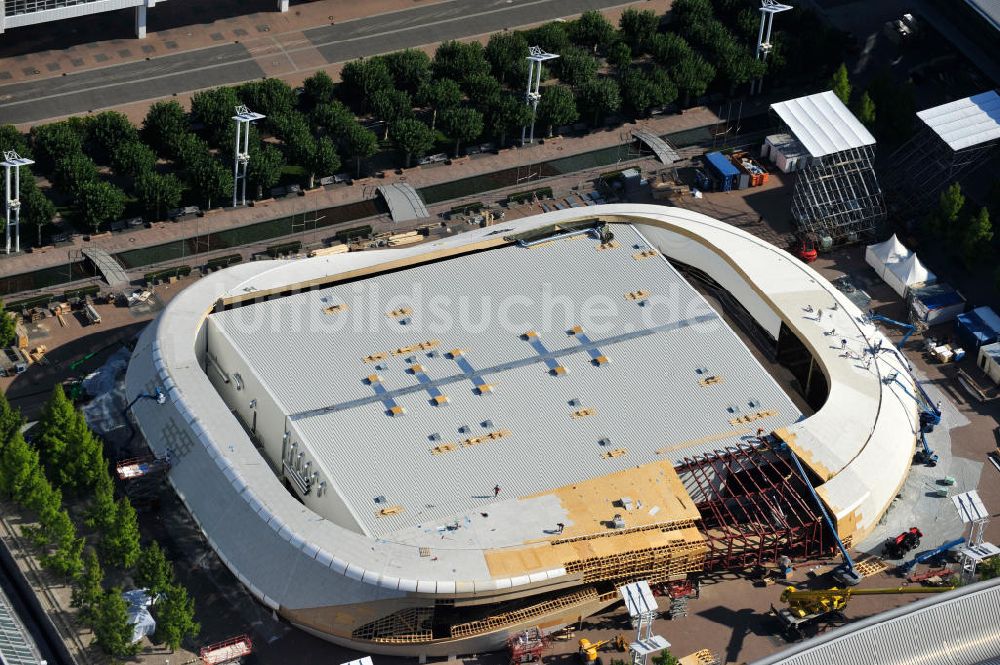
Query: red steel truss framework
x=754, y=507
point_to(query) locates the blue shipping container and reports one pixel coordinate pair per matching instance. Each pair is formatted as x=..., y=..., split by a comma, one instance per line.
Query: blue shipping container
x=723, y=169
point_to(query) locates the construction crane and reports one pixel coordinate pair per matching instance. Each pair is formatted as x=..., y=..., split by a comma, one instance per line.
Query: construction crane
x=905, y=568
x=806, y=606
x=588, y=650
x=909, y=328
x=845, y=573
x=930, y=417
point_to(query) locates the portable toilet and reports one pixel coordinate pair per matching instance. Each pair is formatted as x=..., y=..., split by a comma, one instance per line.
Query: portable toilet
x=723, y=170
x=989, y=361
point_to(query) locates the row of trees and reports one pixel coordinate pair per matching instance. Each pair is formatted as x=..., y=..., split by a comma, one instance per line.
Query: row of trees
x=955, y=225
x=65, y=459
x=464, y=93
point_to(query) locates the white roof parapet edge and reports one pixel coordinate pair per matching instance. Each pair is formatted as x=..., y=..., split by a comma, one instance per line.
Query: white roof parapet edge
x=775, y=273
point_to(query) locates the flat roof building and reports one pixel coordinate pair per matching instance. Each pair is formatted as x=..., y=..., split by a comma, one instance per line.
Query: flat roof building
x=420, y=451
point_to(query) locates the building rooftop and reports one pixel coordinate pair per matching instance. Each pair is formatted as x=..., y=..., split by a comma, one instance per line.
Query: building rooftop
x=823, y=124
x=967, y=122
x=546, y=366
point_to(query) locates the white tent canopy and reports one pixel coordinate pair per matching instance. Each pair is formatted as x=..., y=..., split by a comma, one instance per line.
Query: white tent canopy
x=897, y=265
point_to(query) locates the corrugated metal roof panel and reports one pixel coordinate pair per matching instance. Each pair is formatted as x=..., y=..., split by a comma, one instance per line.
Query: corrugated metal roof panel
x=966, y=122
x=823, y=124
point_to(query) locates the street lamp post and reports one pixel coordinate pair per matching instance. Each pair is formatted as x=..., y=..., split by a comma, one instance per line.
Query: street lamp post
x=768, y=8
x=241, y=156
x=12, y=199
x=536, y=56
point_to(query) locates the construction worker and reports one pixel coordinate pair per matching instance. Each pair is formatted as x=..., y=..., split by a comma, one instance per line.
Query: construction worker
x=496, y=491
x=559, y=527
x=785, y=566
x=843, y=344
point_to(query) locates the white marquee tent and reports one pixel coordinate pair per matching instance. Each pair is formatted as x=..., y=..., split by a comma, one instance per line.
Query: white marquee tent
x=897, y=266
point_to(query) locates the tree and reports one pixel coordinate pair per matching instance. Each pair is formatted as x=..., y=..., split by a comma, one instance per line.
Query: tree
x=264, y=169
x=391, y=105
x=54, y=141
x=866, y=110
x=84, y=457
x=88, y=588
x=271, y=97
x=552, y=36
x=692, y=74
x=507, y=113
x=324, y=160
x=64, y=559
x=133, y=158
x=667, y=48
x=557, y=107
x=11, y=138
x=158, y=193
x=112, y=630
x=74, y=170
x=99, y=202
x=642, y=92
x=976, y=237
x=10, y=418
x=482, y=90
x=110, y=129
x=8, y=334
x=175, y=617
x=619, y=55
x=599, y=97
x=120, y=545
x=102, y=510
x=318, y=89
x=153, y=571
x=507, y=53
x=36, y=208
x=440, y=95
x=20, y=471
x=210, y=179
x=576, y=66
x=163, y=124
x=362, y=78
x=638, y=28
x=943, y=222
x=332, y=118
x=989, y=568
x=58, y=417
x=359, y=143
x=293, y=128
x=409, y=68
x=411, y=137
x=459, y=60
x=689, y=14
x=461, y=124
x=840, y=84
x=665, y=658
x=214, y=108
x=592, y=30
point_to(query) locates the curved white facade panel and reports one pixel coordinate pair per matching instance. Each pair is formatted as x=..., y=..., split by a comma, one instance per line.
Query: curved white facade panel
x=860, y=442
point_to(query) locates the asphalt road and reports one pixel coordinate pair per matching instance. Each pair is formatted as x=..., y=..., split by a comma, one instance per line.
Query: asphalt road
x=231, y=63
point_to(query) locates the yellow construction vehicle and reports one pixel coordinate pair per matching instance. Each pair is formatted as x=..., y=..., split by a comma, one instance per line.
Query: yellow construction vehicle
x=806, y=606
x=588, y=651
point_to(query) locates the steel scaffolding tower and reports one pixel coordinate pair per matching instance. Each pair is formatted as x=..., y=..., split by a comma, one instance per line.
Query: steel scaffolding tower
x=951, y=141
x=532, y=95
x=768, y=8
x=972, y=511
x=12, y=197
x=839, y=197
x=241, y=156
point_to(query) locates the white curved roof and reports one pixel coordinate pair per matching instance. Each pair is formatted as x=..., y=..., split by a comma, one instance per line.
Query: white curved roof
x=823, y=124
x=860, y=442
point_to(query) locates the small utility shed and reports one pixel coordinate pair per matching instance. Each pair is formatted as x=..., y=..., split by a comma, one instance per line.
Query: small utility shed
x=989, y=360
x=722, y=170
x=936, y=303
x=978, y=328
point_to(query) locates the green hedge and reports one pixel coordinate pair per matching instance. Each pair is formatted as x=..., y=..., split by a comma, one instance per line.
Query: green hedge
x=521, y=197
x=28, y=303
x=284, y=248
x=91, y=290
x=350, y=234
x=166, y=273
x=475, y=206
x=223, y=261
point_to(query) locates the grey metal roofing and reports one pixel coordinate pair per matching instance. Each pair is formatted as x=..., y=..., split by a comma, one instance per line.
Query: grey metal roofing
x=966, y=122
x=647, y=397
x=988, y=9
x=16, y=646
x=823, y=124
x=958, y=628
x=404, y=202
x=112, y=271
